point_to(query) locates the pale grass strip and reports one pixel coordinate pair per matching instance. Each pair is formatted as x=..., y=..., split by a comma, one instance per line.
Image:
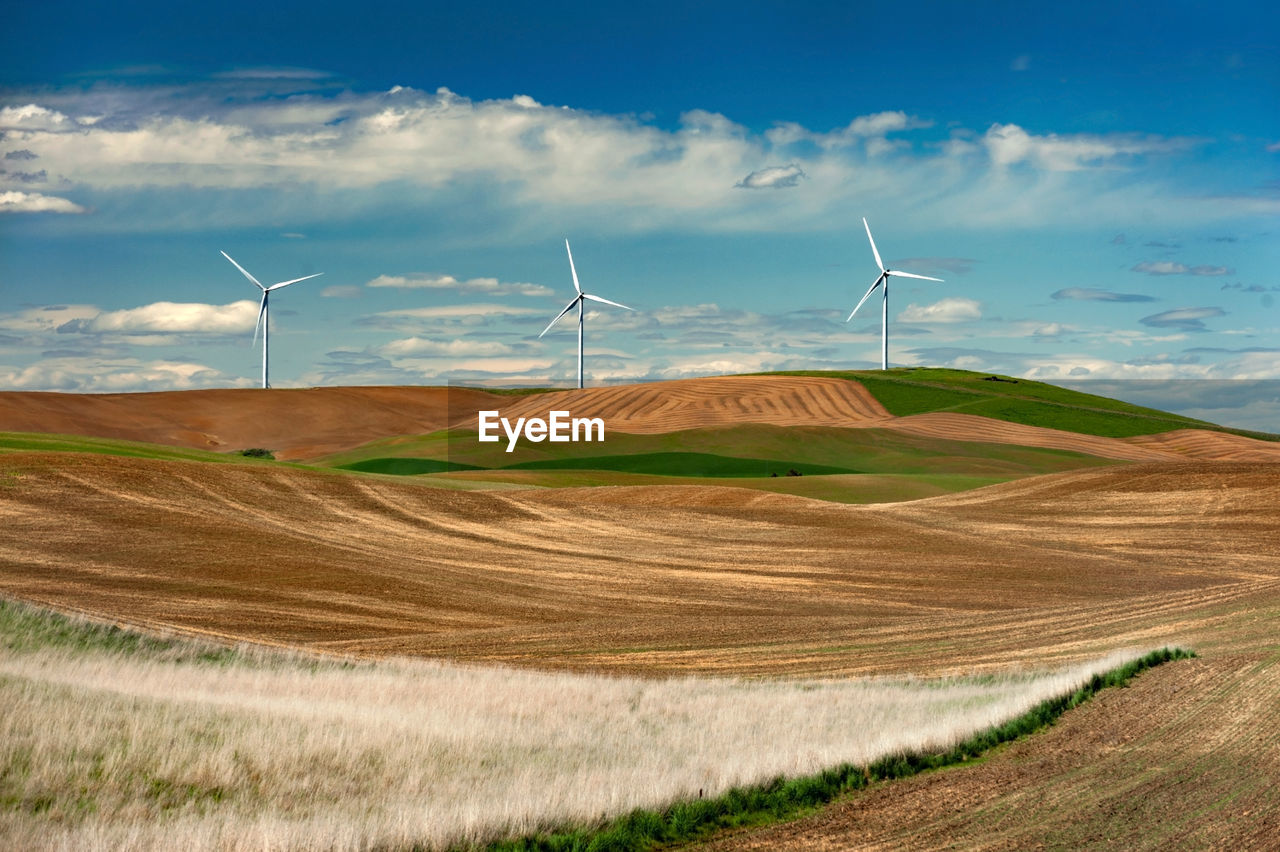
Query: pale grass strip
x=412, y=752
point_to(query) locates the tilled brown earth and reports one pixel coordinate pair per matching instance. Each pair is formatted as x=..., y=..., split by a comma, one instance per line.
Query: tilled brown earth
x=1187, y=757
x=721, y=580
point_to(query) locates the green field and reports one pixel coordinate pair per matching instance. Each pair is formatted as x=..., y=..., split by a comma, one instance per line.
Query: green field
x=11, y=442
x=745, y=450
x=905, y=391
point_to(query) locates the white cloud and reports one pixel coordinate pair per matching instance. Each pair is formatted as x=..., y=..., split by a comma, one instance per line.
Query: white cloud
x=865, y=127
x=1187, y=319
x=531, y=161
x=773, y=177
x=1168, y=267
x=34, y=202
x=170, y=318
x=444, y=311
x=47, y=319
x=448, y=282
x=953, y=309
x=33, y=117
x=340, y=291
x=443, y=348
x=1008, y=144
x=102, y=375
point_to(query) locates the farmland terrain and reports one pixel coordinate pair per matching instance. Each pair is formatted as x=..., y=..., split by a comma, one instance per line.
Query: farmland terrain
x=1140, y=530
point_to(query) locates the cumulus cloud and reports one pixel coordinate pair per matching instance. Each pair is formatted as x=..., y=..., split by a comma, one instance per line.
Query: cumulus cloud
x=1168, y=267
x=33, y=117
x=34, y=202
x=448, y=282
x=774, y=177
x=953, y=309
x=1187, y=319
x=529, y=160
x=169, y=318
x=1089, y=294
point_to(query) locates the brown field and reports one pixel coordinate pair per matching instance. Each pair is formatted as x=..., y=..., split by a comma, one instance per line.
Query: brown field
x=683, y=579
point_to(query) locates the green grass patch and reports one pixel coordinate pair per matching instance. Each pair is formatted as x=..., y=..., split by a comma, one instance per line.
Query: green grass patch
x=407, y=466
x=51, y=443
x=783, y=799
x=685, y=464
x=25, y=628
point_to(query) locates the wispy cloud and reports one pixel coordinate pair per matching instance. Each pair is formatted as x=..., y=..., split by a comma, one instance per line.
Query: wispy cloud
x=1009, y=144
x=1187, y=319
x=1089, y=294
x=774, y=177
x=1168, y=267
x=448, y=282
x=100, y=375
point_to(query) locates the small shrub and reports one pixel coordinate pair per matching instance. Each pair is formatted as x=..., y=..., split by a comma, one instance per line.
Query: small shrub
x=257, y=453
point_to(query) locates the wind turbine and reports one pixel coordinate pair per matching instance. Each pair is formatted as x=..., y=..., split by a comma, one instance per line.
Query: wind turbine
x=883, y=279
x=263, y=318
x=578, y=300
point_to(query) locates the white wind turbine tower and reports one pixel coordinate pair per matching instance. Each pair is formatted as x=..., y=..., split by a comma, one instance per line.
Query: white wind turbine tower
x=883, y=279
x=578, y=300
x=263, y=317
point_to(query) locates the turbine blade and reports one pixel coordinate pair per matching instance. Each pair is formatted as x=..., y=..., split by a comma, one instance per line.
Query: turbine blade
x=606, y=301
x=879, y=262
x=262, y=309
x=566, y=310
x=870, y=290
x=910, y=275
x=243, y=270
x=571, y=267
x=294, y=281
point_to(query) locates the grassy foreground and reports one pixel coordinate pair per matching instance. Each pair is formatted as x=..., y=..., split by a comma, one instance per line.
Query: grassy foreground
x=782, y=798
x=112, y=739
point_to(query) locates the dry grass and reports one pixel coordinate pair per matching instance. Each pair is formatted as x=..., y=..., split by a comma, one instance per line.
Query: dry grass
x=105, y=750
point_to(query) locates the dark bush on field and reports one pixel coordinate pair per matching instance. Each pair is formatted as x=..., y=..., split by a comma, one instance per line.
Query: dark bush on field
x=257, y=453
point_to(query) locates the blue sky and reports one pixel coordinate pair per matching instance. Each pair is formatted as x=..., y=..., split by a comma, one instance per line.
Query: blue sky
x=1099, y=187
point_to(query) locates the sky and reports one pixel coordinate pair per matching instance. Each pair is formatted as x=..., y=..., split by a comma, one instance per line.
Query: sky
x=1098, y=185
